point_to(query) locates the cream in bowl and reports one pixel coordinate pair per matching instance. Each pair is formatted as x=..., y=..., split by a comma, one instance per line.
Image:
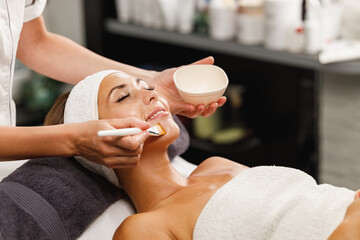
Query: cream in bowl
x=201, y=84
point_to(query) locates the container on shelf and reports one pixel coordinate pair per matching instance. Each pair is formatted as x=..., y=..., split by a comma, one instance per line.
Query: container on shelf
x=169, y=12
x=313, y=36
x=233, y=128
x=222, y=14
x=150, y=13
x=201, y=19
x=146, y=13
x=250, y=22
x=157, y=21
x=280, y=17
x=186, y=14
x=205, y=127
x=138, y=11
x=123, y=9
x=296, y=38
x=332, y=16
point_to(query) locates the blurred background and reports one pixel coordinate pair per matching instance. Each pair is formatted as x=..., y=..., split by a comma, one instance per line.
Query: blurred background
x=293, y=67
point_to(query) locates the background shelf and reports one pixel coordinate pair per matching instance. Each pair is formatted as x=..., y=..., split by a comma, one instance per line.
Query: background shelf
x=205, y=43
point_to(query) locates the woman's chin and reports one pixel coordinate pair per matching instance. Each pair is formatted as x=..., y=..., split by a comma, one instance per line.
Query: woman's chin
x=171, y=129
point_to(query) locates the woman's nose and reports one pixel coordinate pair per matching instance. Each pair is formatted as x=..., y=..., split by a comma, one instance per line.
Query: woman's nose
x=150, y=97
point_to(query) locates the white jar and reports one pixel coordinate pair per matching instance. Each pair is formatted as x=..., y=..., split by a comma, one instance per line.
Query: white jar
x=169, y=13
x=123, y=9
x=296, y=38
x=146, y=13
x=250, y=25
x=280, y=17
x=186, y=13
x=222, y=16
x=138, y=11
x=156, y=18
x=313, y=34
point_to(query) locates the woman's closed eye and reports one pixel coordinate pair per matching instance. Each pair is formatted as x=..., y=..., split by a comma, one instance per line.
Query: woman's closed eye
x=122, y=98
x=150, y=88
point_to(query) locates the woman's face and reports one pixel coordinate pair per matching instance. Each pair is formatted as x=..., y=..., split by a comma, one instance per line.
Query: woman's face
x=123, y=96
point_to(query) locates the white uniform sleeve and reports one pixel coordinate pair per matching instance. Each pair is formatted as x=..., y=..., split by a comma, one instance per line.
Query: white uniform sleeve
x=34, y=10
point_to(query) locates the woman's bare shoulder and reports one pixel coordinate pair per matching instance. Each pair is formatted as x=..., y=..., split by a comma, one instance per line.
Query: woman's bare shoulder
x=218, y=165
x=142, y=226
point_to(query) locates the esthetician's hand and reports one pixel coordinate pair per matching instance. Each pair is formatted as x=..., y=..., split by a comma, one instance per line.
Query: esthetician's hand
x=165, y=86
x=113, y=152
x=349, y=229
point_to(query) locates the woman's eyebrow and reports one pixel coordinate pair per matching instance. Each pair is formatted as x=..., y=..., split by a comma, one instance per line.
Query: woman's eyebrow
x=121, y=86
x=138, y=80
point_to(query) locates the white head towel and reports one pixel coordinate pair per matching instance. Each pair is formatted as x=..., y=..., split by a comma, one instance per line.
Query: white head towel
x=82, y=106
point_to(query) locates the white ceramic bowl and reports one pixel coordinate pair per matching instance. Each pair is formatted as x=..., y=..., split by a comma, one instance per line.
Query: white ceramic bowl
x=201, y=84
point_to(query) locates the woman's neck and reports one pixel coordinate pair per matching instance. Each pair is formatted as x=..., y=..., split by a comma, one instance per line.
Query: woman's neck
x=151, y=181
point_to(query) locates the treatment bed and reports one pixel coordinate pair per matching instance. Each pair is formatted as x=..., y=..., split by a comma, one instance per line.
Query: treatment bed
x=106, y=223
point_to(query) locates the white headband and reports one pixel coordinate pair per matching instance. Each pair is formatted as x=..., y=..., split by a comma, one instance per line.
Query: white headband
x=82, y=106
x=82, y=103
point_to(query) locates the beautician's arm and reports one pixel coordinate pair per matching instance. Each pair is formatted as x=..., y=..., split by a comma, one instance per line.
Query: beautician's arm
x=75, y=139
x=64, y=60
x=349, y=229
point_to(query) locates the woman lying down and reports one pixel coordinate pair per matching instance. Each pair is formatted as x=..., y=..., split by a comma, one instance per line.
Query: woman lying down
x=221, y=199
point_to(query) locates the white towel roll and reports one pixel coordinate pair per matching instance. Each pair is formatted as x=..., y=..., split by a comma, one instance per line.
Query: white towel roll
x=273, y=203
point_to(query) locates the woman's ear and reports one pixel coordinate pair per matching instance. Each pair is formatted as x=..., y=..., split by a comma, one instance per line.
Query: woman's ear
x=357, y=195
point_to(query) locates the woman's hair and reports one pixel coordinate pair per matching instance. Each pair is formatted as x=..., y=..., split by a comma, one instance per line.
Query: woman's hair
x=56, y=114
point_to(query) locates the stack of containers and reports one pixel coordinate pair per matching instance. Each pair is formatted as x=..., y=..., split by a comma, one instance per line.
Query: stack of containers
x=142, y=12
x=171, y=15
x=277, y=24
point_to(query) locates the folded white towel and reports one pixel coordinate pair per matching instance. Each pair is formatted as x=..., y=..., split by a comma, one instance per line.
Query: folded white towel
x=273, y=203
x=82, y=106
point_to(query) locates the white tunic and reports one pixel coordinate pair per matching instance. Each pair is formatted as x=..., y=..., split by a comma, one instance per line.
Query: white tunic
x=13, y=13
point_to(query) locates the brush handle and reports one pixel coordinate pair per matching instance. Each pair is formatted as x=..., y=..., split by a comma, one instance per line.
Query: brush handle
x=119, y=132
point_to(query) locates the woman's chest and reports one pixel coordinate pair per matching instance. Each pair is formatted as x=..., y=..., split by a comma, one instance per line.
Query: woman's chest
x=185, y=207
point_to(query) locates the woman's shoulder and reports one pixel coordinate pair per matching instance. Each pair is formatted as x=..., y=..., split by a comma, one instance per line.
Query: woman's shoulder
x=148, y=225
x=129, y=228
x=218, y=165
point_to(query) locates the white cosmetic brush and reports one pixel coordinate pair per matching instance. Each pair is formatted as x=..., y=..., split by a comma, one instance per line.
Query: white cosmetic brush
x=156, y=130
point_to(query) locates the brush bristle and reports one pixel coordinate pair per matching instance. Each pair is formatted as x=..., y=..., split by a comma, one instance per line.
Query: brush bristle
x=160, y=129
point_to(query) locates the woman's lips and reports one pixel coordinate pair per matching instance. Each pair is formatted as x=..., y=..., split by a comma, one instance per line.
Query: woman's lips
x=157, y=113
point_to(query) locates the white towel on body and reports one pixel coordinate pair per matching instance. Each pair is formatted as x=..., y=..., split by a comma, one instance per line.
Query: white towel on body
x=82, y=106
x=273, y=203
